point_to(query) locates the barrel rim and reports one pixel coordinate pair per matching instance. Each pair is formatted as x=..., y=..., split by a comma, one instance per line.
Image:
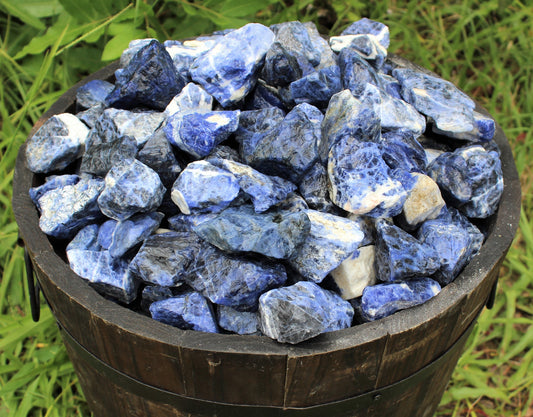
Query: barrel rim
x=503, y=228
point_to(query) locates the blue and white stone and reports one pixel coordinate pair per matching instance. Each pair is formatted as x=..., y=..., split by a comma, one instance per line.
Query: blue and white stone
x=233, y=281
x=360, y=181
x=254, y=125
x=366, y=26
x=390, y=85
x=152, y=293
x=264, y=190
x=397, y=114
x=107, y=275
x=302, y=311
x=401, y=150
x=264, y=96
x=192, y=99
x=129, y=233
x=276, y=234
x=105, y=233
x=86, y=239
x=140, y=125
x=149, y=79
x=199, y=133
x=450, y=109
x=367, y=226
x=188, y=311
x=327, y=56
x=355, y=273
x=314, y=188
x=356, y=72
x=317, y=87
x=331, y=240
x=90, y=115
x=228, y=71
x=399, y=255
x=452, y=243
x=51, y=183
x=424, y=201
x=184, y=54
x=455, y=216
x=203, y=187
x=133, y=47
x=486, y=126
x=130, y=187
x=382, y=300
x=164, y=258
x=240, y=322
x=368, y=46
x=157, y=154
x=99, y=158
x=289, y=159
x=471, y=179
x=186, y=222
x=292, y=55
x=93, y=93
x=66, y=210
x=57, y=143
x=224, y=152
x=294, y=203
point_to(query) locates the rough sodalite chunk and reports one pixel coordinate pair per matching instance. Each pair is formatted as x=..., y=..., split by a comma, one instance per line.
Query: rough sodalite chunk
x=164, y=258
x=382, y=300
x=129, y=233
x=327, y=56
x=51, y=183
x=66, y=210
x=157, y=154
x=92, y=93
x=331, y=240
x=455, y=216
x=356, y=273
x=317, y=87
x=402, y=150
x=347, y=117
x=240, y=322
x=275, y=234
x=184, y=54
x=314, y=188
x=99, y=158
x=292, y=55
x=397, y=114
x=133, y=47
x=152, y=293
x=368, y=46
x=199, y=133
x=424, y=201
x=451, y=110
x=361, y=182
x=356, y=72
x=228, y=71
x=189, y=311
x=302, y=311
x=203, y=187
x=130, y=187
x=275, y=155
x=107, y=275
x=485, y=125
x=264, y=96
x=471, y=179
x=264, y=190
x=399, y=255
x=192, y=99
x=105, y=233
x=86, y=239
x=186, y=222
x=140, y=125
x=57, y=143
x=91, y=115
x=452, y=243
x=149, y=79
x=254, y=125
x=366, y=26
x=233, y=281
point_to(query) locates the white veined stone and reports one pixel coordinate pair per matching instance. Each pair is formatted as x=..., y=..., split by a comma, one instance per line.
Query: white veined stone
x=356, y=273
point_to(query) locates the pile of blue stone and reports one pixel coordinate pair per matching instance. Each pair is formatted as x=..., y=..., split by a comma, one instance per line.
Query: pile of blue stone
x=265, y=180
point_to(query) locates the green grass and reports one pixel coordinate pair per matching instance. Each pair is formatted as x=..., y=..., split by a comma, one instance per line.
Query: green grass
x=482, y=46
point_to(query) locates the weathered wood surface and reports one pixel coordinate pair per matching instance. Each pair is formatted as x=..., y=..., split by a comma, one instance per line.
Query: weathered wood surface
x=256, y=370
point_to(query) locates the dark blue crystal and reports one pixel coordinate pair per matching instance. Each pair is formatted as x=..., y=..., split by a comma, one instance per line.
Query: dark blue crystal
x=148, y=80
x=240, y=322
x=99, y=158
x=402, y=150
x=240, y=229
x=92, y=93
x=187, y=311
x=129, y=233
x=51, y=183
x=382, y=300
x=399, y=255
x=356, y=72
x=302, y=311
x=317, y=87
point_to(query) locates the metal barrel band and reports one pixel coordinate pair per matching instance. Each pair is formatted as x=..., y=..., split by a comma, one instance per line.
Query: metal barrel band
x=202, y=407
x=33, y=287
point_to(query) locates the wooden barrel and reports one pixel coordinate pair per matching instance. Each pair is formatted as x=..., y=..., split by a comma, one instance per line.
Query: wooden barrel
x=130, y=365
